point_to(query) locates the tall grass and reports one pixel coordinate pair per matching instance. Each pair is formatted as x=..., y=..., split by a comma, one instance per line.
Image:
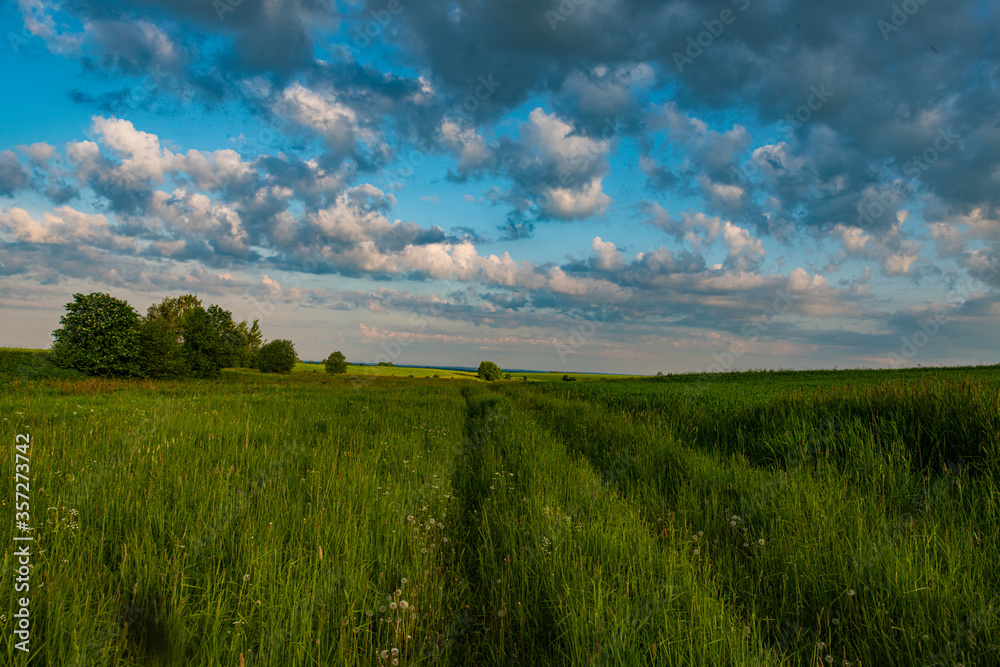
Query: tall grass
x=313, y=520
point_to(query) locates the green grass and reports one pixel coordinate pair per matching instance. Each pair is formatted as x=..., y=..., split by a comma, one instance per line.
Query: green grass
x=390, y=371
x=409, y=371
x=739, y=519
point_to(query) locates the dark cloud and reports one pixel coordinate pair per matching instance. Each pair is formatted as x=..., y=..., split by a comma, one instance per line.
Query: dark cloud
x=13, y=176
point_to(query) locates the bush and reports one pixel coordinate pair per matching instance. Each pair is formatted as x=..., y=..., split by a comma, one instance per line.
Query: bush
x=336, y=363
x=32, y=364
x=489, y=371
x=278, y=356
x=99, y=336
x=568, y=378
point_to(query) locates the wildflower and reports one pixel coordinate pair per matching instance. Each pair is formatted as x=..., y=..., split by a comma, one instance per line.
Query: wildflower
x=695, y=552
x=850, y=593
x=246, y=577
x=821, y=646
x=395, y=662
x=836, y=621
x=403, y=605
x=392, y=605
x=384, y=654
x=732, y=523
x=829, y=659
x=382, y=609
x=761, y=541
x=395, y=652
x=403, y=580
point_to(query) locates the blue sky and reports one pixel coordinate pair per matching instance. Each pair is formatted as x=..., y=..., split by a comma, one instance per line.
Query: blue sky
x=616, y=186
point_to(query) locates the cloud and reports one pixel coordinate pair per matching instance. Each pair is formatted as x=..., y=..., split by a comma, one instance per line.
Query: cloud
x=341, y=128
x=13, y=176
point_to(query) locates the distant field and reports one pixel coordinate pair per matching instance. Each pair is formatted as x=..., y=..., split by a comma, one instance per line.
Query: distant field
x=406, y=371
x=745, y=519
x=389, y=371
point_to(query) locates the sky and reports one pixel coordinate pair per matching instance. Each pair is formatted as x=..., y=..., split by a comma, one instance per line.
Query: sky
x=570, y=185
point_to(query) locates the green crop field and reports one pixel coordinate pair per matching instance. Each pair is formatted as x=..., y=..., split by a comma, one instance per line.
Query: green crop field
x=772, y=518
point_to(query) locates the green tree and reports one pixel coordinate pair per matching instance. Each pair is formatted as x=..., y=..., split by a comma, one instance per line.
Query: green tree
x=202, y=351
x=99, y=336
x=232, y=341
x=160, y=349
x=254, y=339
x=277, y=356
x=336, y=363
x=162, y=336
x=489, y=371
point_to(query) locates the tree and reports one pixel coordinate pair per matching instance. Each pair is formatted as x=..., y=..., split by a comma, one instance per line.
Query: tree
x=161, y=336
x=232, y=341
x=489, y=371
x=253, y=342
x=203, y=355
x=160, y=349
x=336, y=363
x=278, y=356
x=99, y=336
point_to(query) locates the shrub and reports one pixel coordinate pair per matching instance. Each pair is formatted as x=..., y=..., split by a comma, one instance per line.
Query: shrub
x=489, y=371
x=99, y=336
x=32, y=364
x=568, y=378
x=278, y=356
x=336, y=363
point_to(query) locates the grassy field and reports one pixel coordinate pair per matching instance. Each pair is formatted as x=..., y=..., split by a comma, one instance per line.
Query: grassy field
x=409, y=371
x=779, y=518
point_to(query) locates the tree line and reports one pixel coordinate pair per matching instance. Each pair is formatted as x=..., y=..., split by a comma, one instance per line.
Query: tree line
x=178, y=337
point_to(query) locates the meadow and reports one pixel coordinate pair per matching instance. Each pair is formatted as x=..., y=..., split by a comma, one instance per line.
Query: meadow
x=769, y=518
